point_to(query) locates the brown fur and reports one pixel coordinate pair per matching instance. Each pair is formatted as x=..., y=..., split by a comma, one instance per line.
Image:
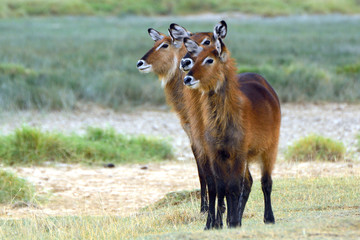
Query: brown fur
x=241, y=124
x=162, y=62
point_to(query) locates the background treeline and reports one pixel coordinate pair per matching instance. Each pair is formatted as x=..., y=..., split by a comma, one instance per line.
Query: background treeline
x=15, y=8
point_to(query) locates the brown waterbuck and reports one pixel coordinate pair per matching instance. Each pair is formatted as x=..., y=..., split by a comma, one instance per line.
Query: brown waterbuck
x=163, y=59
x=241, y=118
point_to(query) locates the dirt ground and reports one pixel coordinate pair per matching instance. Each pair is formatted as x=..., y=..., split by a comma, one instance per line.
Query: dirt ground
x=79, y=190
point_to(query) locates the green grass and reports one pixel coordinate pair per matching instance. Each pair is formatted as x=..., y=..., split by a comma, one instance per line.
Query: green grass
x=316, y=148
x=55, y=63
x=15, y=189
x=30, y=146
x=15, y=8
x=314, y=208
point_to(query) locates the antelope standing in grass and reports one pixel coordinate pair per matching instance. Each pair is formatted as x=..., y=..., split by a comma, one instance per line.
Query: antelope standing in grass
x=241, y=118
x=163, y=59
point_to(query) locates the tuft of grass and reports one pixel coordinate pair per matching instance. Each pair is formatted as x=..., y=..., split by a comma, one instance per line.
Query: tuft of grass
x=349, y=69
x=15, y=189
x=30, y=146
x=316, y=148
x=15, y=70
x=176, y=198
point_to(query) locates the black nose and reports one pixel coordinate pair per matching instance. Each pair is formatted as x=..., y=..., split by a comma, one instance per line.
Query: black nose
x=139, y=63
x=187, y=80
x=185, y=63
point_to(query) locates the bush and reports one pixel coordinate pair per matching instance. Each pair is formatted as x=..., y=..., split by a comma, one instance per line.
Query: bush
x=30, y=146
x=314, y=148
x=13, y=188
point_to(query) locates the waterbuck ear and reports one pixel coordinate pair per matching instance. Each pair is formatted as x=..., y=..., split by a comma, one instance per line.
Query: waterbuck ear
x=220, y=30
x=155, y=35
x=178, y=33
x=192, y=46
x=220, y=48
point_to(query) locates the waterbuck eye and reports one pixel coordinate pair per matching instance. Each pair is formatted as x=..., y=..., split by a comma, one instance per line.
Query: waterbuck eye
x=165, y=45
x=209, y=61
x=207, y=42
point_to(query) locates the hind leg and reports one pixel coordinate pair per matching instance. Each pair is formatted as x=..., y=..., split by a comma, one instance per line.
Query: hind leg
x=246, y=189
x=266, y=183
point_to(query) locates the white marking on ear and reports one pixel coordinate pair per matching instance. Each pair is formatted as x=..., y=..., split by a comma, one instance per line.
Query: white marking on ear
x=155, y=35
x=192, y=47
x=178, y=33
x=176, y=43
x=220, y=30
x=218, y=46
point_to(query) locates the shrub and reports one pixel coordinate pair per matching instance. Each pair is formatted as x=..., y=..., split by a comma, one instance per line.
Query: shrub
x=13, y=188
x=314, y=147
x=349, y=69
x=30, y=146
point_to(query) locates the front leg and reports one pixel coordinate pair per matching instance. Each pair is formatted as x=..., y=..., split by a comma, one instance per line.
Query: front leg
x=221, y=189
x=202, y=177
x=210, y=222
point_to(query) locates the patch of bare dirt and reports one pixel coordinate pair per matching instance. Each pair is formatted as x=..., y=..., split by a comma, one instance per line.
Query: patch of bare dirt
x=123, y=190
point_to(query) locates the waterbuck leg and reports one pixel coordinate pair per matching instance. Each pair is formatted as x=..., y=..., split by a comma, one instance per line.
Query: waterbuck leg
x=203, y=197
x=220, y=189
x=266, y=186
x=210, y=222
x=246, y=189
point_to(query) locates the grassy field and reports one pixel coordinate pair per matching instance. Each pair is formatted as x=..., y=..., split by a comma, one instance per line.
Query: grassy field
x=152, y=7
x=314, y=208
x=55, y=63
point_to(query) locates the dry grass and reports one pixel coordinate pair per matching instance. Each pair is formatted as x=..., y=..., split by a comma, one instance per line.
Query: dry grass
x=314, y=208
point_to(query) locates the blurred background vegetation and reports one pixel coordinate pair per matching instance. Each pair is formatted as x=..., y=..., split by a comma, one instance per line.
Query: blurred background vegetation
x=52, y=57
x=11, y=8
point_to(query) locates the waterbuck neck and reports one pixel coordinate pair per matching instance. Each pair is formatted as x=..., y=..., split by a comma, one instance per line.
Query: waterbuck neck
x=224, y=103
x=174, y=91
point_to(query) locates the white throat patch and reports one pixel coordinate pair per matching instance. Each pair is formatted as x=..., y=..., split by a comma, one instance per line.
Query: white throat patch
x=171, y=73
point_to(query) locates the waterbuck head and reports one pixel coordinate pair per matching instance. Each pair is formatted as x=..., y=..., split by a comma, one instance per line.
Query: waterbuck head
x=162, y=57
x=209, y=67
x=187, y=62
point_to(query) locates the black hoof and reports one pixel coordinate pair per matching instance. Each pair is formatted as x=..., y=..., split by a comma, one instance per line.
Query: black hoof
x=269, y=220
x=207, y=228
x=234, y=225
